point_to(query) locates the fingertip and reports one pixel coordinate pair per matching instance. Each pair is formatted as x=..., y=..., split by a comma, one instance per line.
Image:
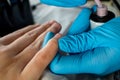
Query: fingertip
x=62, y=45
x=54, y=40
x=48, y=36
x=55, y=28
x=52, y=21
x=57, y=36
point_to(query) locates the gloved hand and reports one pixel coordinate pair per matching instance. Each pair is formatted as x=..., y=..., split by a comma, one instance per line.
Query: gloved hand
x=99, y=51
x=64, y=3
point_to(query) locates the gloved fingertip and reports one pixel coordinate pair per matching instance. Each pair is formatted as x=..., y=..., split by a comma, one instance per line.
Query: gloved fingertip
x=48, y=36
x=62, y=45
x=86, y=11
x=81, y=23
x=94, y=8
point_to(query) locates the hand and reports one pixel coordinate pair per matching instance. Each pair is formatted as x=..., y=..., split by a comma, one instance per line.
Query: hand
x=21, y=55
x=64, y=3
x=98, y=51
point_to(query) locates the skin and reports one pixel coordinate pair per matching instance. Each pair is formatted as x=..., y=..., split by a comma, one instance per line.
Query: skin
x=21, y=54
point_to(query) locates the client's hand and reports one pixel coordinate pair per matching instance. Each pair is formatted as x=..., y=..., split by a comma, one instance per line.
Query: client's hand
x=21, y=54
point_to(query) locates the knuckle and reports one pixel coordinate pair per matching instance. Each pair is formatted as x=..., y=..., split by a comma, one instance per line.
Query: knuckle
x=37, y=44
x=31, y=34
x=32, y=25
x=3, y=49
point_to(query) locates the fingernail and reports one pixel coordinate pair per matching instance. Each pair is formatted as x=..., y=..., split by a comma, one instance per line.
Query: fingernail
x=52, y=21
x=57, y=36
x=48, y=36
x=56, y=27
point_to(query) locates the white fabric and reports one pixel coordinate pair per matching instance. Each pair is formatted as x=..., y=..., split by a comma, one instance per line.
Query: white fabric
x=47, y=13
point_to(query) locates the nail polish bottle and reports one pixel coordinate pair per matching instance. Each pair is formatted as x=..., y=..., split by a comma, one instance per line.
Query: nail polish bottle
x=101, y=16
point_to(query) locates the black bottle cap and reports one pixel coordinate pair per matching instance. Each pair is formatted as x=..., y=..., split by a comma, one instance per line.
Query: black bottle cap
x=110, y=15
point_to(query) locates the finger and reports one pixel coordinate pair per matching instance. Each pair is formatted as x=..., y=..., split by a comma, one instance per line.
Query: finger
x=77, y=43
x=13, y=36
x=26, y=55
x=21, y=43
x=40, y=61
x=98, y=61
x=81, y=23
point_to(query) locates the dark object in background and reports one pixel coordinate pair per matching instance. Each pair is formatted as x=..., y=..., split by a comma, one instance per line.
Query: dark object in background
x=14, y=14
x=117, y=75
x=117, y=3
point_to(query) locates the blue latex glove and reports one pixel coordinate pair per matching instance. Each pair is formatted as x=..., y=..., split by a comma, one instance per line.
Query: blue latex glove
x=81, y=23
x=64, y=3
x=48, y=36
x=99, y=51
